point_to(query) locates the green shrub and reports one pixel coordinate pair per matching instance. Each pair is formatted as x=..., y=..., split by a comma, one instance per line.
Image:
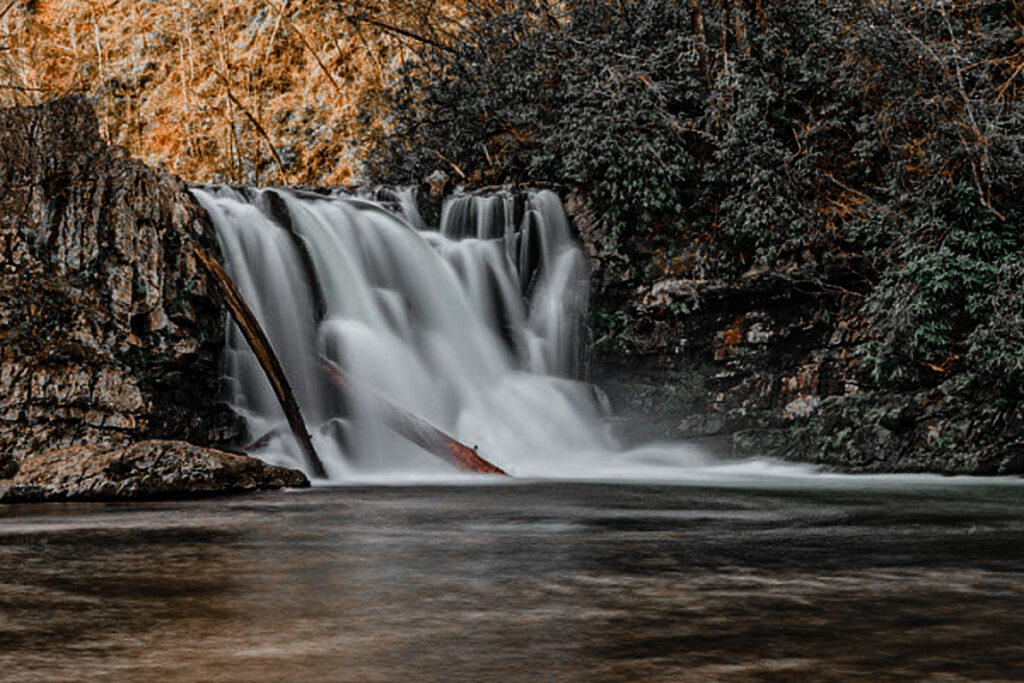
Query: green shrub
x=879, y=142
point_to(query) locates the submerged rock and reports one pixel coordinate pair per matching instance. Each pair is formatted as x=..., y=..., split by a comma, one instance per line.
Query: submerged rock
x=143, y=471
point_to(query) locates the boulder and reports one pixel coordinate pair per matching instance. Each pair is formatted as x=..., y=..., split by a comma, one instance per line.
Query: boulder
x=146, y=470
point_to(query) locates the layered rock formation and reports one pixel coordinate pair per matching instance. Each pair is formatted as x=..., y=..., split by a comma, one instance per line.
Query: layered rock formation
x=109, y=333
x=770, y=362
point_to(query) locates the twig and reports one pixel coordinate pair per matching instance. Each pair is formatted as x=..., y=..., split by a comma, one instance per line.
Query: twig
x=21, y=88
x=316, y=56
x=845, y=186
x=826, y=286
x=981, y=139
x=1009, y=81
x=402, y=32
x=252, y=119
x=451, y=163
x=7, y=9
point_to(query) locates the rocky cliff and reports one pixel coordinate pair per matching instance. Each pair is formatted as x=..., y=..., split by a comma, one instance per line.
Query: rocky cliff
x=109, y=334
x=771, y=362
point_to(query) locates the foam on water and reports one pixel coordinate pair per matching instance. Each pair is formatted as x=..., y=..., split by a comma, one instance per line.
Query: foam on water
x=474, y=327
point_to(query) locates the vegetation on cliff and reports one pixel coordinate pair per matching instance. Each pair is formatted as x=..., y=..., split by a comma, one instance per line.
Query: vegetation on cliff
x=869, y=151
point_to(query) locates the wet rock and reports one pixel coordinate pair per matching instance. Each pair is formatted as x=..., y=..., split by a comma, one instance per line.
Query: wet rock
x=769, y=359
x=143, y=471
x=716, y=357
x=109, y=332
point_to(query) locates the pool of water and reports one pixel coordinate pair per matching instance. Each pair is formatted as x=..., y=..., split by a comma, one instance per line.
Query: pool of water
x=773, y=579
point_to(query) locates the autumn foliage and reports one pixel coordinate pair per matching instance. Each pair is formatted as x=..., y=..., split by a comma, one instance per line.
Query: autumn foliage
x=243, y=91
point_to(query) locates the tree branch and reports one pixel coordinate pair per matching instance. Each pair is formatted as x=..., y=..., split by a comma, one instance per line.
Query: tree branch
x=402, y=32
x=252, y=119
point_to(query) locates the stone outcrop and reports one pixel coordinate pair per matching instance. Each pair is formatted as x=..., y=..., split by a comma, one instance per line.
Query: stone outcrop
x=146, y=470
x=769, y=363
x=109, y=331
x=709, y=358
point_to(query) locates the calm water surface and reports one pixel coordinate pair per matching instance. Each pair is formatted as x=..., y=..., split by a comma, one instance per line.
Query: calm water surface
x=815, y=579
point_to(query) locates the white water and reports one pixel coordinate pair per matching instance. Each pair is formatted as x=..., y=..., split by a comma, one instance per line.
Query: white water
x=473, y=327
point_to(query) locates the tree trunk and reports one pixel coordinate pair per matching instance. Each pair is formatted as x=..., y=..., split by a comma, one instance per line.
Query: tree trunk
x=416, y=429
x=702, y=43
x=260, y=345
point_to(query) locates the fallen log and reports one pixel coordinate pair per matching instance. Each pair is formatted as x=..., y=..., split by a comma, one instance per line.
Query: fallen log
x=260, y=345
x=414, y=428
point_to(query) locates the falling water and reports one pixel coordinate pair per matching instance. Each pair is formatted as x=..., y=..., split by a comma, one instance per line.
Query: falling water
x=474, y=326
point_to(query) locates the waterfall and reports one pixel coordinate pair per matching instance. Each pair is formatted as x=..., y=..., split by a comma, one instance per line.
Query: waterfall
x=473, y=326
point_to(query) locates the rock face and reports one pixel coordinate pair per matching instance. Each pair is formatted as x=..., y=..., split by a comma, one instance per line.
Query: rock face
x=708, y=358
x=143, y=471
x=769, y=361
x=108, y=333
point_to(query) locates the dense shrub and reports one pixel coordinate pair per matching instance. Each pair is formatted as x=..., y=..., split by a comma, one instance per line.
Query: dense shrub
x=881, y=143
x=600, y=98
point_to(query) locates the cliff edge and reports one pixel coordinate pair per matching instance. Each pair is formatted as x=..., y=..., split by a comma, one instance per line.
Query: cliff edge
x=109, y=331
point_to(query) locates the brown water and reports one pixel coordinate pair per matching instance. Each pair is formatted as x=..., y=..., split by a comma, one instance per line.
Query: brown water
x=881, y=579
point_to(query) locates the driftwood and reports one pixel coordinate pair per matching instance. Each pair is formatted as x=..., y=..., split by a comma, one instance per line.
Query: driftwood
x=416, y=429
x=260, y=345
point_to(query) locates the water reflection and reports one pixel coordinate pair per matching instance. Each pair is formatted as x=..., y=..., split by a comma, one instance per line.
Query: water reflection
x=522, y=582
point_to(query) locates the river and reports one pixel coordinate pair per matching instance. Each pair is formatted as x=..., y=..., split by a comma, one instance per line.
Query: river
x=757, y=577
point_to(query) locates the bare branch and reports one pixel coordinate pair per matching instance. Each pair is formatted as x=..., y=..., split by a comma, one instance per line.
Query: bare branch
x=402, y=32
x=252, y=119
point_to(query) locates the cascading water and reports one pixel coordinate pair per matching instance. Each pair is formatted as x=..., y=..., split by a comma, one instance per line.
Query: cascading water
x=473, y=327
